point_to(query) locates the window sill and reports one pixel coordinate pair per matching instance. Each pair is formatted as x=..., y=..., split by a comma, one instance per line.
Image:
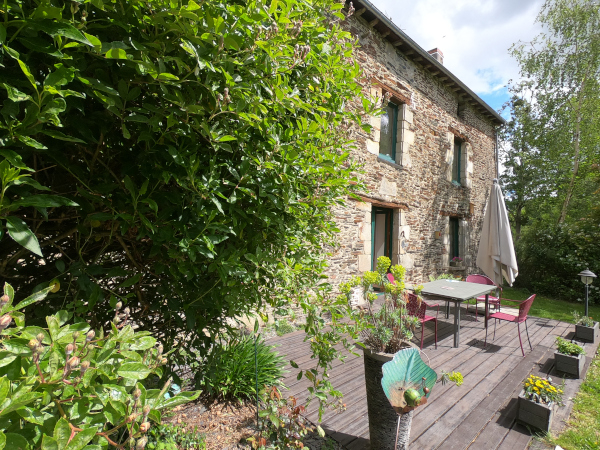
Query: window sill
x=389, y=163
x=456, y=268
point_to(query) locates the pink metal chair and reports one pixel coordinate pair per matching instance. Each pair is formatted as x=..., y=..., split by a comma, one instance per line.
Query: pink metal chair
x=392, y=280
x=482, y=279
x=524, y=307
x=417, y=309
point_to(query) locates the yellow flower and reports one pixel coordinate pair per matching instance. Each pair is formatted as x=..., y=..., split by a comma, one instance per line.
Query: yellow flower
x=536, y=389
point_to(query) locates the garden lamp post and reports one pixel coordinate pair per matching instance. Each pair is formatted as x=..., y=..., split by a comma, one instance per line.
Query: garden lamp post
x=587, y=277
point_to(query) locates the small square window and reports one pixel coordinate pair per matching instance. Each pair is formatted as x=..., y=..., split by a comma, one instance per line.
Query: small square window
x=457, y=161
x=388, y=131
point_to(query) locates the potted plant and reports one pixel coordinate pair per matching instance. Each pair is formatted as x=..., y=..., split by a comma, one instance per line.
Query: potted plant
x=569, y=357
x=456, y=261
x=537, y=402
x=585, y=328
x=387, y=330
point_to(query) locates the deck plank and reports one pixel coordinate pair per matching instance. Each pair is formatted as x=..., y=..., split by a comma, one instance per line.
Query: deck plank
x=478, y=415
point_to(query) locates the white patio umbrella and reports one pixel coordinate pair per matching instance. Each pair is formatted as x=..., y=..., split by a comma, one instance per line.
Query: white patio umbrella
x=496, y=255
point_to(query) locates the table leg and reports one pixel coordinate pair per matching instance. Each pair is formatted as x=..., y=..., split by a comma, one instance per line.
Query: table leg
x=447, y=309
x=487, y=298
x=456, y=323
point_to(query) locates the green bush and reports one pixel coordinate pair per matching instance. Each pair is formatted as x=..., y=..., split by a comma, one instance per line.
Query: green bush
x=282, y=326
x=229, y=369
x=568, y=348
x=174, y=437
x=194, y=147
x=67, y=387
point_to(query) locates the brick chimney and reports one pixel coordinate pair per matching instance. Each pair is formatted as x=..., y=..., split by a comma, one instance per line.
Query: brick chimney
x=437, y=54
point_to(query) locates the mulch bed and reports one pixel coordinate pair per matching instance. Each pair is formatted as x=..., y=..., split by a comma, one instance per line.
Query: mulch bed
x=227, y=426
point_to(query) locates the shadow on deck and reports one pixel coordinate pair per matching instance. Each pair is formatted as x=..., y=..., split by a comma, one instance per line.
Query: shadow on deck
x=480, y=414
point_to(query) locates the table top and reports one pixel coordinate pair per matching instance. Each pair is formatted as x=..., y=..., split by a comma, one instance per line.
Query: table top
x=457, y=290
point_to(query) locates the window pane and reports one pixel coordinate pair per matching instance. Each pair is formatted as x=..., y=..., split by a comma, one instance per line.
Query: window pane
x=456, y=162
x=388, y=119
x=453, y=237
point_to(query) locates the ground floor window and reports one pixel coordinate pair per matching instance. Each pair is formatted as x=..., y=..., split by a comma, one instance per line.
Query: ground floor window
x=454, y=237
x=381, y=234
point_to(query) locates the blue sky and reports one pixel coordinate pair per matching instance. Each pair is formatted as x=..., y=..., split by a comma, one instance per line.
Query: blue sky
x=474, y=36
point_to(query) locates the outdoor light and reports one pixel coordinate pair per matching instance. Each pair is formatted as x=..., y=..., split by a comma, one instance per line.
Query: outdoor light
x=587, y=277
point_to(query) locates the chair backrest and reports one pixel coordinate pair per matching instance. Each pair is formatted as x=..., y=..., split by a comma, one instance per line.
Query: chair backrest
x=480, y=279
x=524, y=308
x=415, y=307
x=391, y=278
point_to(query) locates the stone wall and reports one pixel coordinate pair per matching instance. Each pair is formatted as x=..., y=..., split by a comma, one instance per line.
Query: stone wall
x=418, y=186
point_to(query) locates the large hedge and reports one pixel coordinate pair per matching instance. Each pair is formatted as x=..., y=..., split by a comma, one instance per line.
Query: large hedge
x=202, y=142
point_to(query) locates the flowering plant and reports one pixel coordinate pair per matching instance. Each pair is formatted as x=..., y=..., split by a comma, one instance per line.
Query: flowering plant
x=457, y=259
x=541, y=390
x=583, y=320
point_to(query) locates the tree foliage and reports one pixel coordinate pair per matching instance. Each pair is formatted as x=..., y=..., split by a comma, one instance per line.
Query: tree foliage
x=192, y=150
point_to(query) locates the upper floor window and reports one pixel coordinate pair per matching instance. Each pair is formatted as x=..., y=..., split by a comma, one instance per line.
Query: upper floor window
x=457, y=160
x=389, y=129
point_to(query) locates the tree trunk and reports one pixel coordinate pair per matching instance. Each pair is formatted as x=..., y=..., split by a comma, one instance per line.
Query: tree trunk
x=565, y=207
x=403, y=432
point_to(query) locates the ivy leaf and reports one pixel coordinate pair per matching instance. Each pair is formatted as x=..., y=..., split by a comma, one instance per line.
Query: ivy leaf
x=20, y=232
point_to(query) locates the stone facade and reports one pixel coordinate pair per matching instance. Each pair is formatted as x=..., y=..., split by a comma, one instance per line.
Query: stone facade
x=418, y=186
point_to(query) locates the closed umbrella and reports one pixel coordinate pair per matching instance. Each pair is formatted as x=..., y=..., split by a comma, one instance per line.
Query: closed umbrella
x=496, y=255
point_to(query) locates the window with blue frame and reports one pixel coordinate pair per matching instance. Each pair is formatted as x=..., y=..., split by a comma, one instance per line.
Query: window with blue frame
x=454, y=237
x=388, y=131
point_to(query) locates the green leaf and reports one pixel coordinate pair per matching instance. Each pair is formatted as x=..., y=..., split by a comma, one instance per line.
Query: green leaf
x=49, y=443
x=20, y=232
x=15, y=159
x=116, y=53
x=167, y=77
x=44, y=201
x=35, y=297
x=45, y=11
x=27, y=73
x=6, y=358
x=178, y=399
x=143, y=343
x=32, y=142
x=54, y=29
x=15, y=95
x=16, y=442
x=61, y=76
x=2, y=34
x=21, y=401
x=32, y=415
x=62, y=136
x=81, y=439
x=2, y=440
x=133, y=371
x=62, y=433
x=131, y=281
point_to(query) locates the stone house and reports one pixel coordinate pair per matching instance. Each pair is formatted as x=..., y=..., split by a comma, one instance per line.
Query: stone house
x=428, y=163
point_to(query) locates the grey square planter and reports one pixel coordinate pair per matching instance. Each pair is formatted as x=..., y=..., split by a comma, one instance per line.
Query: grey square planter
x=589, y=334
x=536, y=415
x=573, y=365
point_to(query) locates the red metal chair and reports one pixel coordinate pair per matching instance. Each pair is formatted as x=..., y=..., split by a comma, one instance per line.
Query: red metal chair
x=524, y=307
x=482, y=279
x=392, y=280
x=417, y=308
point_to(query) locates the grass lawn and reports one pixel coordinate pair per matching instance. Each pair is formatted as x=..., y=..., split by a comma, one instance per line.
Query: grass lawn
x=583, y=427
x=551, y=309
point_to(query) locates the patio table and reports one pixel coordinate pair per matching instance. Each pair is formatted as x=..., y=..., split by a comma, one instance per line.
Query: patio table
x=457, y=292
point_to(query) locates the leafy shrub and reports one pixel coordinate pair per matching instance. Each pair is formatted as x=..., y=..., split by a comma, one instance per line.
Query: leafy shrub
x=195, y=149
x=229, y=370
x=282, y=326
x=283, y=425
x=66, y=386
x=174, y=437
x=568, y=348
x=550, y=257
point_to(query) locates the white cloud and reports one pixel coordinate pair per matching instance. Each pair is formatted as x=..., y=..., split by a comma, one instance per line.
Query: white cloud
x=473, y=35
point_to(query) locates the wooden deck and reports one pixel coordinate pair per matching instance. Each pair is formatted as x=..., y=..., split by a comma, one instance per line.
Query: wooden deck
x=480, y=414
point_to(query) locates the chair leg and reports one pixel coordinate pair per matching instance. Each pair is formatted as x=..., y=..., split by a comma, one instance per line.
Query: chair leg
x=529, y=340
x=495, y=321
x=520, y=341
x=422, y=333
